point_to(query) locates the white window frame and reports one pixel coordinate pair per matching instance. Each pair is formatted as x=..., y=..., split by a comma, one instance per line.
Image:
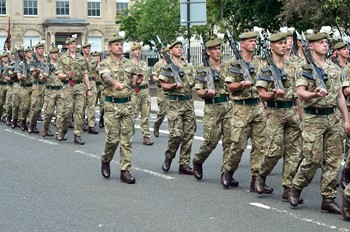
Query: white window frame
x=121, y=1
x=5, y=8
x=37, y=8
x=94, y=1
x=63, y=15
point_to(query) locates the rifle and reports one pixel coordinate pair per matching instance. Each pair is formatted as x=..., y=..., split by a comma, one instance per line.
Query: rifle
x=25, y=66
x=246, y=69
x=295, y=47
x=277, y=75
x=317, y=74
x=15, y=67
x=211, y=75
x=176, y=72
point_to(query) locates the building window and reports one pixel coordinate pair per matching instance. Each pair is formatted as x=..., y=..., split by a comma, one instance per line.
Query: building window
x=96, y=43
x=30, y=41
x=30, y=7
x=94, y=8
x=62, y=7
x=2, y=7
x=122, y=5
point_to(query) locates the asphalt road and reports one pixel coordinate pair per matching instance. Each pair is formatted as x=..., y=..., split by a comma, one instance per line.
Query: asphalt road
x=51, y=186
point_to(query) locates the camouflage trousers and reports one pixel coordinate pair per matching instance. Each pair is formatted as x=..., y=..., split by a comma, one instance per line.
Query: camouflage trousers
x=91, y=105
x=182, y=126
x=163, y=105
x=119, y=126
x=142, y=104
x=36, y=103
x=347, y=168
x=24, y=94
x=7, y=108
x=322, y=139
x=15, y=100
x=217, y=124
x=249, y=121
x=75, y=97
x=53, y=100
x=283, y=135
x=99, y=96
x=4, y=89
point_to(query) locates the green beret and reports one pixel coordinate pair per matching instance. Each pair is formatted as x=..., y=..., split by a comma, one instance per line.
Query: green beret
x=28, y=49
x=70, y=40
x=213, y=43
x=39, y=45
x=289, y=33
x=96, y=53
x=277, y=37
x=53, y=50
x=21, y=49
x=317, y=36
x=176, y=42
x=135, y=46
x=248, y=35
x=13, y=51
x=115, y=38
x=339, y=45
x=86, y=45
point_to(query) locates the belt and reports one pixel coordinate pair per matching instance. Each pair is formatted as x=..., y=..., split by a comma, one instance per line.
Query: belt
x=27, y=85
x=117, y=100
x=53, y=87
x=219, y=99
x=75, y=82
x=6, y=83
x=319, y=111
x=180, y=97
x=38, y=83
x=141, y=87
x=280, y=104
x=98, y=83
x=248, y=101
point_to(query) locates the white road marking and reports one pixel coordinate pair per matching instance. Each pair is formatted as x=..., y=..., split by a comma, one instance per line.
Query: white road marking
x=289, y=214
x=30, y=137
x=157, y=174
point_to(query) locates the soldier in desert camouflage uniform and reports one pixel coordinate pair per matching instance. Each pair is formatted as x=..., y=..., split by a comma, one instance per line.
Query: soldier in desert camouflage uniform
x=181, y=117
x=120, y=76
x=218, y=111
x=249, y=115
x=282, y=127
x=162, y=100
x=322, y=130
x=72, y=70
x=141, y=97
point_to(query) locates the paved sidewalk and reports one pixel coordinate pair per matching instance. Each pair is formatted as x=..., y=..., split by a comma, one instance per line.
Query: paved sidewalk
x=198, y=107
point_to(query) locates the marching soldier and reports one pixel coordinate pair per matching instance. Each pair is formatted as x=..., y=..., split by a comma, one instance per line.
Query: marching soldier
x=38, y=81
x=5, y=86
x=282, y=127
x=181, y=117
x=99, y=87
x=72, y=71
x=345, y=184
x=162, y=100
x=141, y=96
x=249, y=114
x=54, y=98
x=342, y=54
x=218, y=111
x=322, y=132
x=91, y=101
x=119, y=76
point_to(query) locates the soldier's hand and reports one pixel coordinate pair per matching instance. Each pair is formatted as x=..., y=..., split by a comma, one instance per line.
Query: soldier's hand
x=179, y=85
x=118, y=86
x=347, y=127
x=211, y=93
x=70, y=74
x=139, y=78
x=90, y=94
x=279, y=93
x=246, y=84
x=7, y=78
x=321, y=92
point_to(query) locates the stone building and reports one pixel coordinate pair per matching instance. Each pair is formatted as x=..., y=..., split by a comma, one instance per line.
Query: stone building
x=54, y=20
